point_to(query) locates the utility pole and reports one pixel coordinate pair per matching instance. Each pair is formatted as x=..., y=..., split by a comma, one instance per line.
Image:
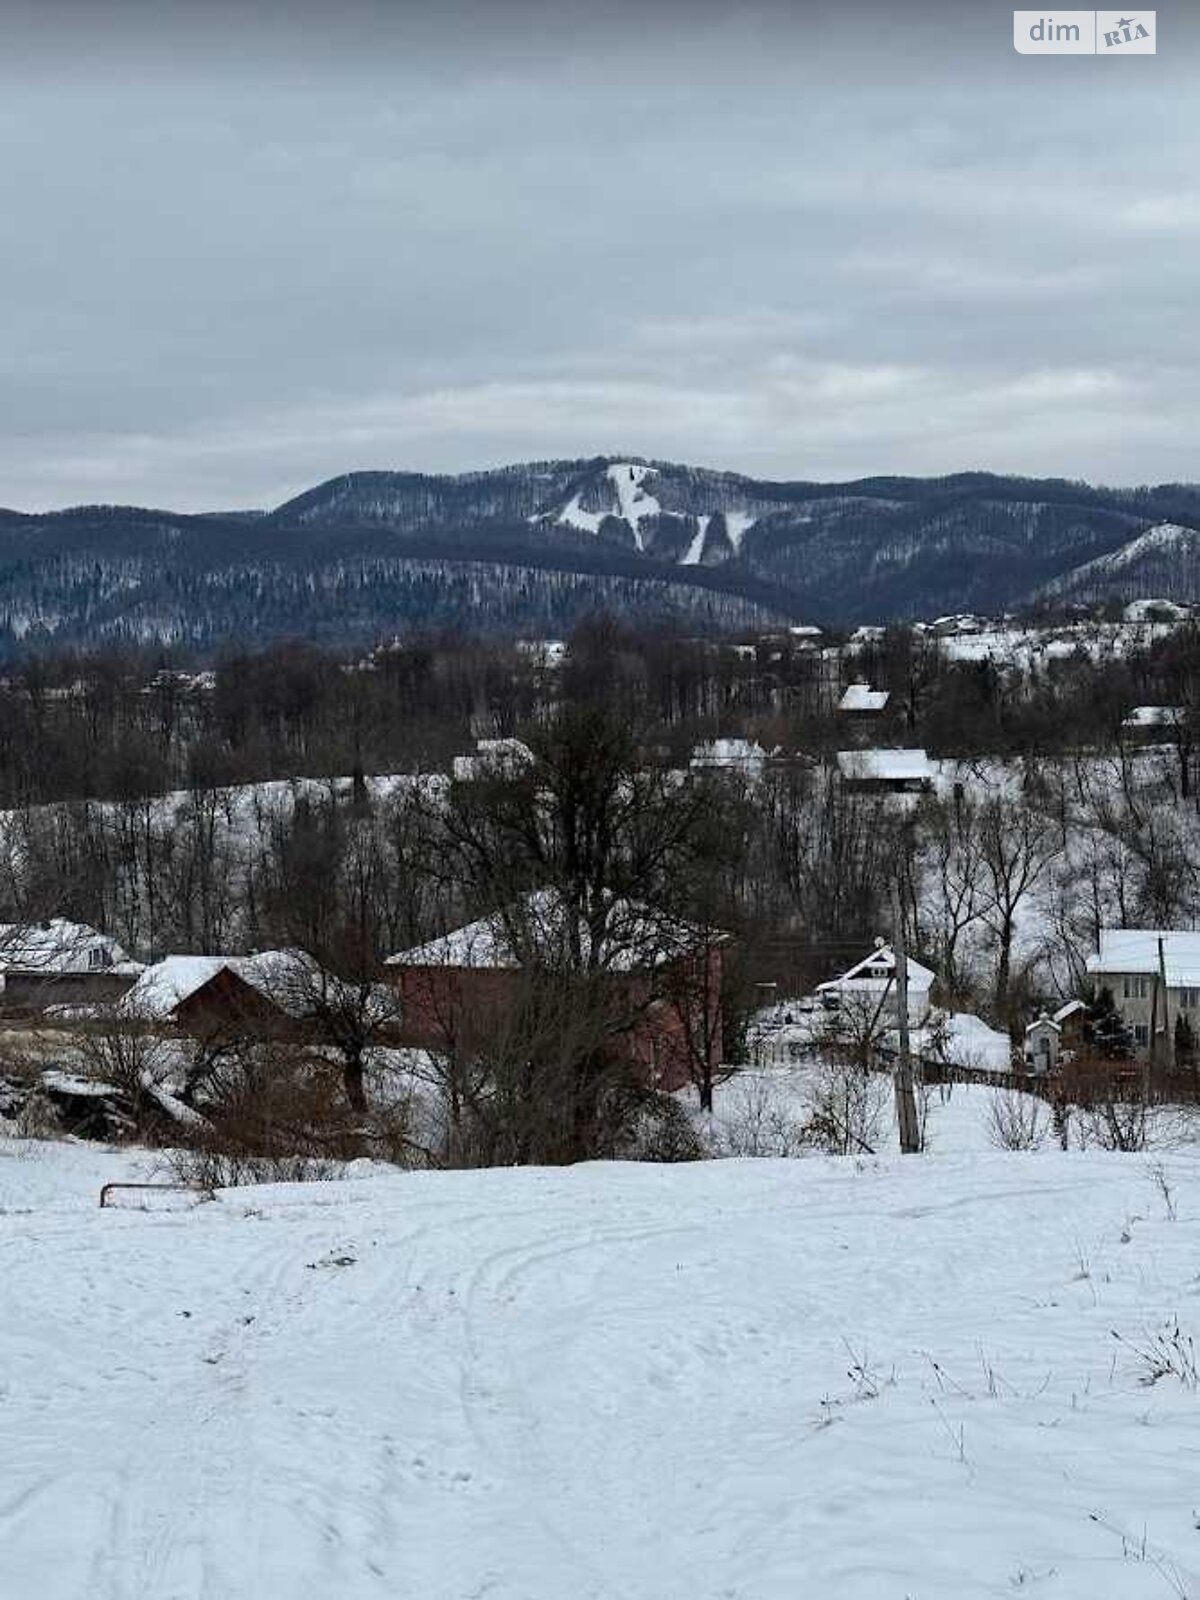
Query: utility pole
x=906, y=1100
x=1162, y=1043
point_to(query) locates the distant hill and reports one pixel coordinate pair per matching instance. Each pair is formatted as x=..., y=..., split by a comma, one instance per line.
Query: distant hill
x=538, y=545
x=1162, y=561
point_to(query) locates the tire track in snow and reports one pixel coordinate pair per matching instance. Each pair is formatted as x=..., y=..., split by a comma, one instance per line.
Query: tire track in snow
x=181, y=1500
x=491, y=1393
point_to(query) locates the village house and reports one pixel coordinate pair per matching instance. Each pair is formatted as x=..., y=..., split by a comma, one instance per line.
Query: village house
x=745, y=757
x=59, y=962
x=549, y=654
x=887, y=771
x=860, y=701
x=868, y=988
x=1152, y=724
x=664, y=976
x=494, y=758
x=954, y=626
x=205, y=995
x=1153, y=975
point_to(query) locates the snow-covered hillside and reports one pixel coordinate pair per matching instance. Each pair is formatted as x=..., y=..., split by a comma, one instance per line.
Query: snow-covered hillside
x=732, y=1380
x=1162, y=560
x=536, y=545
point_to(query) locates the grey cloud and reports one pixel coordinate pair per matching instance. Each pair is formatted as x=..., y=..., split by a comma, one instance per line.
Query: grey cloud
x=564, y=232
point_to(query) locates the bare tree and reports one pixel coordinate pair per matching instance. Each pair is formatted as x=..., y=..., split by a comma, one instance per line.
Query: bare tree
x=1016, y=845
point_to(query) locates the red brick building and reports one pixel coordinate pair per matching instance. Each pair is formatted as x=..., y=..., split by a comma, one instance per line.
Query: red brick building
x=658, y=978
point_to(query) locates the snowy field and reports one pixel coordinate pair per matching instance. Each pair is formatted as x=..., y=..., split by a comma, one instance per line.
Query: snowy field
x=730, y=1380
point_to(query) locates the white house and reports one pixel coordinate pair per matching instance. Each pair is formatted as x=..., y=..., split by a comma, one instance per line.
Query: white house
x=869, y=987
x=1154, y=977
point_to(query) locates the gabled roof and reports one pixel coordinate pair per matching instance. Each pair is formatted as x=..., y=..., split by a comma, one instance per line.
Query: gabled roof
x=1135, y=950
x=169, y=982
x=165, y=986
x=1043, y=1021
x=543, y=927
x=861, y=697
x=59, y=947
x=1069, y=1010
x=874, y=972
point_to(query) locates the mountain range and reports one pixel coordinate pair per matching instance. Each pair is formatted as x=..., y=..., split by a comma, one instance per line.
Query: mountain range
x=533, y=547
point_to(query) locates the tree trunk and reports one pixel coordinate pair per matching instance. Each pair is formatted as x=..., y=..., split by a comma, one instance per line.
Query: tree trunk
x=352, y=1082
x=906, y=1100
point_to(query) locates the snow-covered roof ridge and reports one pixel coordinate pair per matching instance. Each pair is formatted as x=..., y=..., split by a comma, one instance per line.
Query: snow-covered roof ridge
x=878, y=969
x=168, y=983
x=633, y=935
x=743, y=754
x=1137, y=951
x=60, y=946
x=1154, y=717
x=887, y=765
x=164, y=986
x=1069, y=1010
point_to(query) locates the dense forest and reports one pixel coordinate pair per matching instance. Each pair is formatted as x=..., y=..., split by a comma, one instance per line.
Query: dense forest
x=538, y=548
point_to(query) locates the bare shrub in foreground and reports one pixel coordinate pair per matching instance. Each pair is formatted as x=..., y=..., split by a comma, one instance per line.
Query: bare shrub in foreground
x=207, y=1167
x=277, y=1112
x=1114, y=1123
x=665, y=1133
x=1017, y=1121
x=132, y=1059
x=757, y=1121
x=847, y=1107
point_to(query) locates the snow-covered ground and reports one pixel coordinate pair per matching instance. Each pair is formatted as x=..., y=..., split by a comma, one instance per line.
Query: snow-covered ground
x=1025, y=647
x=761, y=1111
x=730, y=1380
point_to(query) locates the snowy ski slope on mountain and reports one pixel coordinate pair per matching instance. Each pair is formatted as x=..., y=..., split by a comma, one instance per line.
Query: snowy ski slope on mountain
x=632, y=502
x=733, y=1380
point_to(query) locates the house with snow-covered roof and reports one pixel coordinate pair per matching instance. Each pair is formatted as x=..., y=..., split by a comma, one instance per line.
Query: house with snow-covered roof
x=657, y=970
x=869, y=986
x=1152, y=724
x=887, y=771
x=860, y=700
x=1153, y=975
x=236, y=995
x=61, y=962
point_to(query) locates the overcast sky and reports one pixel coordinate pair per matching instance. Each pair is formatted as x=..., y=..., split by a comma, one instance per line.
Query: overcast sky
x=242, y=250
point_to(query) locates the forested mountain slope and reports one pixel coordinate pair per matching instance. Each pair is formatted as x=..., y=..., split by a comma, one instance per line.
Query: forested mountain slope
x=536, y=546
